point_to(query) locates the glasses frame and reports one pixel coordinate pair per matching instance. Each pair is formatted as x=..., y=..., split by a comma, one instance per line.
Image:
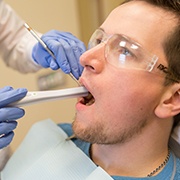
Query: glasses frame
x=154, y=59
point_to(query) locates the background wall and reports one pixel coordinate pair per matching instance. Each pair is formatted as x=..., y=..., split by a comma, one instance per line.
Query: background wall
x=92, y=14
x=80, y=17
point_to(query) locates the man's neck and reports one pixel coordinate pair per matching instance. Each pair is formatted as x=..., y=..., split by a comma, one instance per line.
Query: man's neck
x=136, y=158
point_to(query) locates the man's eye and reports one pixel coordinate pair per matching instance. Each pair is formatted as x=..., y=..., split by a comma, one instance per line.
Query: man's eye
x=125, y=52
x=94, y=42
x=98, y=41
x=126, y=55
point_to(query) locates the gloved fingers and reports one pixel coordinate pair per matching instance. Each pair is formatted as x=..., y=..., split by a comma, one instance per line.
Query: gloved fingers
x=67, y=51
x=78, y=49
x=68, y=37
x=61, y=59
x=78, y=52
x=76, y=67
x=5, y=89
x=65, y=56
x=52, y=34
x=6, y=139
x=7, y=127
x=55, y=35
x=12, y=96
x=11, y=113
x=53, y=64
x=77, y=45
x=71, y=58
x=41, y=56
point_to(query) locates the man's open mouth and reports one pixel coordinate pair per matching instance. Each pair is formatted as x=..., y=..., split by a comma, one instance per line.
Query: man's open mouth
x=88, y=100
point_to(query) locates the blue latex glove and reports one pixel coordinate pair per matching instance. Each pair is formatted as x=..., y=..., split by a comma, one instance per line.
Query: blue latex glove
x=66, y=48
x=9, y=115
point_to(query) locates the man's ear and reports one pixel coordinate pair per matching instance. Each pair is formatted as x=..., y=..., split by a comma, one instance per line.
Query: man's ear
x=169, y=105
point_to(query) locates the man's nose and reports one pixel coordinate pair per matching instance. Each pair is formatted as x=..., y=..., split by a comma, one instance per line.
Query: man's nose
x=94, y=59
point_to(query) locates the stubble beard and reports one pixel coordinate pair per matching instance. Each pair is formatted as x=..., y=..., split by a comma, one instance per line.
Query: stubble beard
x=100, y=134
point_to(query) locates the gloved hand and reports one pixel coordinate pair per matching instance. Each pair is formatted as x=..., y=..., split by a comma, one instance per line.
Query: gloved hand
x=66, y=48
x=9, y=115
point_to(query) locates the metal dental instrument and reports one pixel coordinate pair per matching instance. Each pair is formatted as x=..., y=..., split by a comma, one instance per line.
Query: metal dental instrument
x=34, y=97
x=45, y=47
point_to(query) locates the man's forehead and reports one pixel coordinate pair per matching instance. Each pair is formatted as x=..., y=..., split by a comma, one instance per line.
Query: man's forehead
x=135, y=17
x=140, y=11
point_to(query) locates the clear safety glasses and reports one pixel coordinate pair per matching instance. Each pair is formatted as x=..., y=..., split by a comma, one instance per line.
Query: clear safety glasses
x=121, y=51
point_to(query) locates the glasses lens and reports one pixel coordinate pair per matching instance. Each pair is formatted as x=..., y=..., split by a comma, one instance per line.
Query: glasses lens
x=122, y=52
x=96, y=38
